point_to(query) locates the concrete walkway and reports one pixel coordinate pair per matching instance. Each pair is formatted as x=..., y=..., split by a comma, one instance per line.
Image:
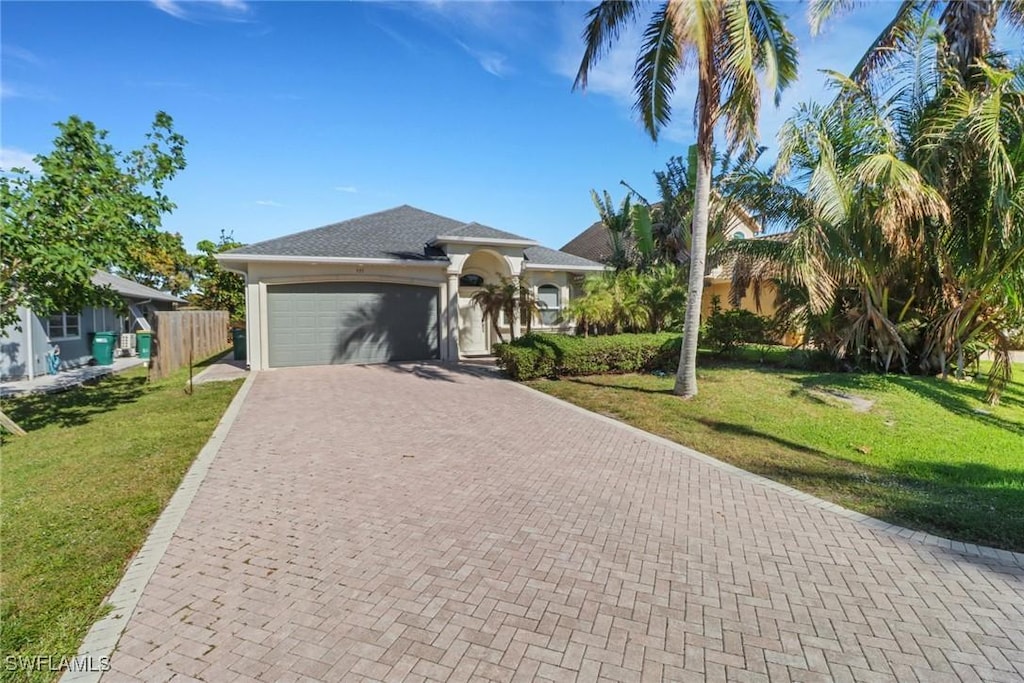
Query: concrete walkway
x=420, y=523
x=224, y=370
x=67, y=379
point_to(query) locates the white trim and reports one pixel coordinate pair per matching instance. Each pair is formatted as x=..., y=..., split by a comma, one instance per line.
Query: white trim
x=241, y=258
x=530, y=265
x=487, y=241
x=348, y=277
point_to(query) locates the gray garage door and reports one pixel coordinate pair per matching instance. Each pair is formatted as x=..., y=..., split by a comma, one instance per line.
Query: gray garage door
x=351, y=322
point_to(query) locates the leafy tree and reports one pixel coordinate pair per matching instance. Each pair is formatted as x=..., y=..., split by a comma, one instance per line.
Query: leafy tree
x=87, y=209
x=728, y=44
x=161, y=262
x=216, y=287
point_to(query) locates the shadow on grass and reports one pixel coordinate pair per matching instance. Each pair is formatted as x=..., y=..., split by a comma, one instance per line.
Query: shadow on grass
x=743, y=431
x=617, y=387
x=78, y=405
x=959, y=399
x=966, y=502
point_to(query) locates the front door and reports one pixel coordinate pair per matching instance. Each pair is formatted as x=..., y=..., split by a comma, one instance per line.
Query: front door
x=472, y=333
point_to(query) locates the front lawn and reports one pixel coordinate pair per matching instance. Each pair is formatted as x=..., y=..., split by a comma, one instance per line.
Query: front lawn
x=928, y=454
x=80, y=493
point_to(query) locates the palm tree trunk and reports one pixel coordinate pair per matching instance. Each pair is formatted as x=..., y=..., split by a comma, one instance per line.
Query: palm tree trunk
x=686, y=376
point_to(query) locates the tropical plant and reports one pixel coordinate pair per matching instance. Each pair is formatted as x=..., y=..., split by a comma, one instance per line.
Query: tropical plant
x=491, y=299
x=497, y=298
x=629, y=301
x=618, y=222
x=968, y=28
x=728, y=44
x=907, y=226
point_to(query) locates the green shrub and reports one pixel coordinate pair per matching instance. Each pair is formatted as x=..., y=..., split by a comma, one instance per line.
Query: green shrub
x=553, y=355
x=725, y=331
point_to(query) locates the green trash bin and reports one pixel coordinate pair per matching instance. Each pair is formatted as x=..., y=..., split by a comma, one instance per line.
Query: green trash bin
x=103, y=347
x=144, y=344
x=238, y=340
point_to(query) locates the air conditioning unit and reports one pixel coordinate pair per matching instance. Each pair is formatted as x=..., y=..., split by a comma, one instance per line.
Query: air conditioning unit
x=127, y=345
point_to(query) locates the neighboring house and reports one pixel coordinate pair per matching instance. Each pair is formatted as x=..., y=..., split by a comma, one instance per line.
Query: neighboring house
x=389, y=286
x=595, y=244
x=23, y=353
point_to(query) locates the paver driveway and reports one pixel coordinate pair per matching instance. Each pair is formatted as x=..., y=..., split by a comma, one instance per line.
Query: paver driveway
x=410, y=523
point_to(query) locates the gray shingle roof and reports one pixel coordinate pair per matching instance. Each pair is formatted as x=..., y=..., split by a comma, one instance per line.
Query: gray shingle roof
x=551, y=257
x=132, y=289
x=484, y=231
x=400, y=233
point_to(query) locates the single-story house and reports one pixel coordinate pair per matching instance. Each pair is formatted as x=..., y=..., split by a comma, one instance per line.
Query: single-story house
x=390, y=286
x=595, y=244
x=23, y=353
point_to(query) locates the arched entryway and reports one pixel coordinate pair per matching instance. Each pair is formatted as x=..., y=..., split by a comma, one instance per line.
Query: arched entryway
x=476, y=334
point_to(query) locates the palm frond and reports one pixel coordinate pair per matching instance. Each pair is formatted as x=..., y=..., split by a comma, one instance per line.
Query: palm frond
x=654, y=76
x=604, y=26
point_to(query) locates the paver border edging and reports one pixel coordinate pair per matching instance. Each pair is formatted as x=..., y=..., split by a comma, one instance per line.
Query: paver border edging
x=104, y=635
x=1005, y=556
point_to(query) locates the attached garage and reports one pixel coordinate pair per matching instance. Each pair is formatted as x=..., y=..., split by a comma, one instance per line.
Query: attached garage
x=326, y=323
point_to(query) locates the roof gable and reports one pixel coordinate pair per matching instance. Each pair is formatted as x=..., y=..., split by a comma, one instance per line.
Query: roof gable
x=399, y=233
x=403, y=233
x=131, y=288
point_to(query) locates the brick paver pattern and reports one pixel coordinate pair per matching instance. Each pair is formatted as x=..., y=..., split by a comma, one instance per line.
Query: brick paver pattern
x=413, y=523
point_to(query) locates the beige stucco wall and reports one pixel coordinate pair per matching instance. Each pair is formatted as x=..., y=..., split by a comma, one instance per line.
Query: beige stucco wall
x=491, y=262
x=721, y=289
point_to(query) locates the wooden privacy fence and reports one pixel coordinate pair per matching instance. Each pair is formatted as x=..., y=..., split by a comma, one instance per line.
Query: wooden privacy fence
x=183, y=337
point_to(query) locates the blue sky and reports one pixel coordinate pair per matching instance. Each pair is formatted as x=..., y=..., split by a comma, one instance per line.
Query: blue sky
x=301, y=114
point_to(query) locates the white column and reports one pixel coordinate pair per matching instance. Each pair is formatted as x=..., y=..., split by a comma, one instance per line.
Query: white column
x=453, y=317
x=517, y=325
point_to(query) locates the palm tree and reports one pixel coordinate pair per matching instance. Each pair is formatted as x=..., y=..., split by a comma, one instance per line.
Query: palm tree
x=905, y=211
x=491, y=300
x=728, y=44
x=968, y=26
x=617, y=222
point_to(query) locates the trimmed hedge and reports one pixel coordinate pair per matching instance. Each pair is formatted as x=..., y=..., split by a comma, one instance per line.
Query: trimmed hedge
x=554, y=355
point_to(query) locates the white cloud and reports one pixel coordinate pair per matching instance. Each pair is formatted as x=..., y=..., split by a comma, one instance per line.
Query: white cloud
x=179, y=9
x=16, y=158
x=21, y=54
x=493, y=63
x=350, y=189
x=267, y=202
x=172, y=7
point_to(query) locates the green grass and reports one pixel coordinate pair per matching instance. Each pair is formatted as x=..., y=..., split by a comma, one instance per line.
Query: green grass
x=81, y=491
x=930, y=454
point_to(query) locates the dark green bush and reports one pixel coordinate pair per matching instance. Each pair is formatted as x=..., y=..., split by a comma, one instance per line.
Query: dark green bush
x=553, y=355
x=725, y=331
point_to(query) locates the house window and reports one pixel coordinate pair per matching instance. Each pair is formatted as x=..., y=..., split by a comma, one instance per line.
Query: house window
x=471, y=280
x=63, y=326
x=548, y=298
x=738, y=235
